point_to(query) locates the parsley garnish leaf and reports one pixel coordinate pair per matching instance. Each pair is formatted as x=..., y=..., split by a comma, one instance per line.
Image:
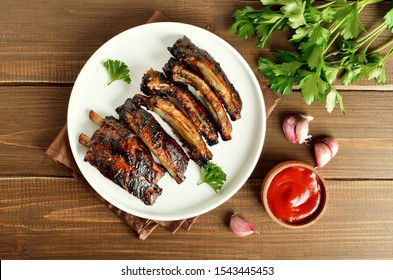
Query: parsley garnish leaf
x=213, y=175
x=117, y=70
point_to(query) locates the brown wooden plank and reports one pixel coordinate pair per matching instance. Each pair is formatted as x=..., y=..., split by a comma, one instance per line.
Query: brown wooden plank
x=30, y=118
x=50, y=41
x=56, y=218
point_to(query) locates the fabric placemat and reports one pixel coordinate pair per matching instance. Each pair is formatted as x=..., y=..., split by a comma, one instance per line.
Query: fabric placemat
x=60, y=151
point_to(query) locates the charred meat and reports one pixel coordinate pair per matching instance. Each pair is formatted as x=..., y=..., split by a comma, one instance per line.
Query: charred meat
x=205, y=65
x=160, y=143
x=180, y=124
x=121, y=140
x=116, y=168
x=181, y=74
x=155, y=83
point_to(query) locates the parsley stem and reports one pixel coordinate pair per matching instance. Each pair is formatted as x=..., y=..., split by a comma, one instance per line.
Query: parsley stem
x=331, y=42
x=383, y=46
x=376, y=35
x=335, y=26
x=324, y=6
x=371, y=34
x=264, y=38
x=389, y=53
x=332, y=29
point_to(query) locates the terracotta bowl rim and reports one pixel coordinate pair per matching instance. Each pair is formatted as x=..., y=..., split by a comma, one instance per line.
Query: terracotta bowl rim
x=266, y=183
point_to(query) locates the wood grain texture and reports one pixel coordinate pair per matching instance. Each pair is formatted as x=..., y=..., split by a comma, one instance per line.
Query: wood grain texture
x=55, y=218
x=41, y=41
x=46, y=214
x=30, y=119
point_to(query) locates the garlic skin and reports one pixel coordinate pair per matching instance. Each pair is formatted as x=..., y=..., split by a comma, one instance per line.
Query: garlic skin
x=295, y=128
x=240, y=227
x=325, y=149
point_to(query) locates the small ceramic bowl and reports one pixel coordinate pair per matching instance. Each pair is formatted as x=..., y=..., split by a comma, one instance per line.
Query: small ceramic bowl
x=294, y=194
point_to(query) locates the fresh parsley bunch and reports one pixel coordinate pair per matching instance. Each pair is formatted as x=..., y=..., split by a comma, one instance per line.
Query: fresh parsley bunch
x=327, y=46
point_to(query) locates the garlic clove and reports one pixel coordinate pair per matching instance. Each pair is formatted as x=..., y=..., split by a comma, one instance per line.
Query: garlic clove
x=302, y=126
x=240, y=227
x=324, y=150
x=322, y=154
x=288, y=127
x=332, y=144
x=295, y=128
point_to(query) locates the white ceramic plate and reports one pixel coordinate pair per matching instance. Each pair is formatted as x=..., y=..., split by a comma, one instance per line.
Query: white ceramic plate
x=145, y=47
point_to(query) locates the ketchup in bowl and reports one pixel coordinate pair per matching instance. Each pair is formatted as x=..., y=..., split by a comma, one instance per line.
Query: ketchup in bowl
x=294, y=194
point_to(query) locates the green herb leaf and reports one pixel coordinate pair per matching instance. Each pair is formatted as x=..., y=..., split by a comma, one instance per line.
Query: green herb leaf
x=282, y=77
x=333, y=98
x=319, y=35
x=244, y=21
x=302, y=32
x=267, y=23
x=249, y=22
x=313, y=87
x=327, y=15
x=388, y=18
x=117, y=70
x=349, y=16
x=213, y=175
x=295, y=13
x=288, y=56
x=331, y=73
x=374, y=69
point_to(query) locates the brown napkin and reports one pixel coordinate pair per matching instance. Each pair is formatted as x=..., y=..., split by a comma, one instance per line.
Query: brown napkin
x=60, y=152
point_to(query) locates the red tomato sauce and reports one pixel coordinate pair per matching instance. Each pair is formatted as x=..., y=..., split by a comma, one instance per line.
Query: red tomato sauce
x=295, y=194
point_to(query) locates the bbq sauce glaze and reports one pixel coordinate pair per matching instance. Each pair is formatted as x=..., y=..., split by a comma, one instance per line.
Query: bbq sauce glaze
x=295, y=195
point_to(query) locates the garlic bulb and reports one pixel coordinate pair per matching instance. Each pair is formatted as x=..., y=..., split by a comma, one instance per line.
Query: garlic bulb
x=295, y=128
x=240, y=227
x=325, y=148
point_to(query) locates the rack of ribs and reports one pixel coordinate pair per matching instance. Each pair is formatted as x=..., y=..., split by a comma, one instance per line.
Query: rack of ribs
x=155, y=83
x=160, y=143
x=180, y=73
x=121, y=140
x=180, y=124
x=202, y=63
x=124, y=160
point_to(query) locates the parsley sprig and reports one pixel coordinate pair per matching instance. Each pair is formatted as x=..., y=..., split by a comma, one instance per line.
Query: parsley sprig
x=213, y=175
x=327, y=46
x=117, y=70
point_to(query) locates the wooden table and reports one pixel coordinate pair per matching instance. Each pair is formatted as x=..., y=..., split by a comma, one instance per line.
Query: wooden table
x=47, y=214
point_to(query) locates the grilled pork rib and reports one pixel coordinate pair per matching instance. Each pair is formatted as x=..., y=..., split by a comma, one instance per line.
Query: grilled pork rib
x=160, y=143
x=204, y=64
x=180, y=124
x=116, y=168
x=155, y=83
x=179, y=73
x=121, y=140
